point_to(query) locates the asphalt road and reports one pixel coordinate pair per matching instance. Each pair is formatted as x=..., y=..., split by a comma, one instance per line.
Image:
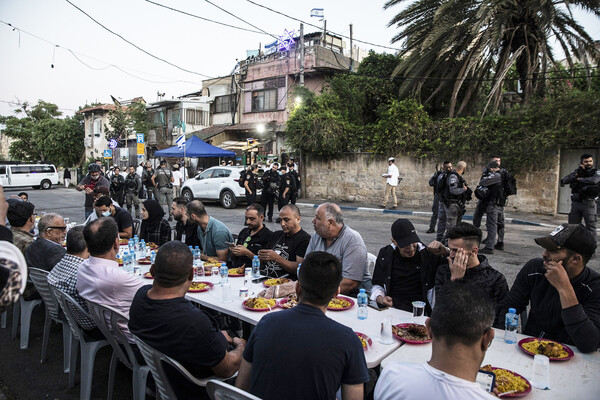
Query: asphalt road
x=23, y=377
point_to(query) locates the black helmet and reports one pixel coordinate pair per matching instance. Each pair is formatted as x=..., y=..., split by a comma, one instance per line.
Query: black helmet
x=94, y=168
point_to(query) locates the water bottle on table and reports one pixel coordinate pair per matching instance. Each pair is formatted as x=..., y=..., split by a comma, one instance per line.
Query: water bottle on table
x=142, y=253
x=197, y=256
x=224, y=273
x=363, y=301
x=127, y=262
x=131, y=245
x=152, y=256
x=255, y=268
x=511, y=323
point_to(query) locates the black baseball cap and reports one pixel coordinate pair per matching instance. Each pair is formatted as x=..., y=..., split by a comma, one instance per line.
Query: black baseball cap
x=574, y=237
x=404, y=232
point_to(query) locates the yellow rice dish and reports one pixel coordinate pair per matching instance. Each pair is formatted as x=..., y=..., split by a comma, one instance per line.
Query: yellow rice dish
x=260, y=302
x=338, y=302
x=198, y=286
x=506, y=381
x=546, y=347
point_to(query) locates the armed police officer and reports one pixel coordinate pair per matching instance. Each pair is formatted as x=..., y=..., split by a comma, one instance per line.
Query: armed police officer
x=585, y=188
x=271, y=181
x=133, y=184
x=454, y=196
x=490, y=194
x=433, y=182
x=117, y=186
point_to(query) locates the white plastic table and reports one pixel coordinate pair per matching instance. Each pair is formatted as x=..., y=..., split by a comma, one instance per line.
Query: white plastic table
x=577, y=378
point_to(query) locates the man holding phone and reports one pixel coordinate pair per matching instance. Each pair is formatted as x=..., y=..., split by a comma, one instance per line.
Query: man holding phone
x=252, y=238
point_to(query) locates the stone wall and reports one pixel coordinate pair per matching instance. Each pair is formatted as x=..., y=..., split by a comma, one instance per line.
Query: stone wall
x=357, y=177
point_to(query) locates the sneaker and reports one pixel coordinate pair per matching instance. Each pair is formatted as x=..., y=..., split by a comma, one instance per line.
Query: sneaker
x=430, y=230
x=393, y=207
x=270, y=219
x=486, y=250
x=499, y=246
x=484, y=241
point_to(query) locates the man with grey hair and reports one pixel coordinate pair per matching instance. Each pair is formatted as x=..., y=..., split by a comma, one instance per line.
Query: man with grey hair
x=334, y=237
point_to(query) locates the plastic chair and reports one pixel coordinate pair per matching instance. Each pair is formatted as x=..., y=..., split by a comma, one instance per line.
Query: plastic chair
x=137, y=223
x=117, y=339
x=155, y=359
x=89, y=346
x=218, y=390
x=23, y=309
x=39, y=277
x=371, y=260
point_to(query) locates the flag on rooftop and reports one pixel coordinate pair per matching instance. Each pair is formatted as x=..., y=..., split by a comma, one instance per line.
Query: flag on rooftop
x=180, y=141
x=318, y=13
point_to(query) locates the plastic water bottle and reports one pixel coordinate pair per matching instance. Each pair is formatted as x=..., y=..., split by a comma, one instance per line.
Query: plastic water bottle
x=152, y=256
x=127, y=262
x=255, y=268
x=362, y=301
x=224, y=273
x=197, y=254
x=131, y=245
x=136, y=247
x=247, y=277
x=142, y=252
x=511, y=322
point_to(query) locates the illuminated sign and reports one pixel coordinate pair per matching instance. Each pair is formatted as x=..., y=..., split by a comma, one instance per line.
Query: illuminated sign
x=113, y=143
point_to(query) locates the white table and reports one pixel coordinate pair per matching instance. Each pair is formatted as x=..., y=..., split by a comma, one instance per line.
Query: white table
x=577, y=378
x=370, y=327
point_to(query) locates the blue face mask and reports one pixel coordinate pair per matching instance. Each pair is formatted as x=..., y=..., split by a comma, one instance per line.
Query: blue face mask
x=280, y=173
x=106, y=213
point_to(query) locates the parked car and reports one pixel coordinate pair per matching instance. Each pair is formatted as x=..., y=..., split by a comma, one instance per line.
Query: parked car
x=219, y=184
x=34, y=175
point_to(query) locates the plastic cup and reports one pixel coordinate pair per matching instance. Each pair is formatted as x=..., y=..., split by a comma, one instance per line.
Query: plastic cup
x=386, y=331
x=541, y=372
x=226, y=292
x=215, y=273
x=418, y=312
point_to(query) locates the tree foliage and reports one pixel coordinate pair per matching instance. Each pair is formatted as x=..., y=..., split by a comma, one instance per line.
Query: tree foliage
x=126, y=119
x=40, y=134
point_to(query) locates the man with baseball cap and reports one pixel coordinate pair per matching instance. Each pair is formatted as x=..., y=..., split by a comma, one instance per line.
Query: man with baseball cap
x=564, y=293
x=405, y=269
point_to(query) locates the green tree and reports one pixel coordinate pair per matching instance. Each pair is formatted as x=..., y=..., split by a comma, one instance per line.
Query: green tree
x=126, y=119
x=41, y=135
x=460, y=44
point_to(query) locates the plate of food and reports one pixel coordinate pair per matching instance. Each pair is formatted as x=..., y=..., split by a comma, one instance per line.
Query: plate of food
x=288, y=302
x=275, y=281
x=200, y=286
x=365, y=340
x=152, y=245
x=259, y=304
x=340, y=303
x=509, y=382
x=411, y=333
x=148, y=275
x=123, y=242
x=234, y=272
x=144, y=261
x=553, y=350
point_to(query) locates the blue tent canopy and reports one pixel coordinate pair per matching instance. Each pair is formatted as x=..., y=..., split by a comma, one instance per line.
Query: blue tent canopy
x=195, y=147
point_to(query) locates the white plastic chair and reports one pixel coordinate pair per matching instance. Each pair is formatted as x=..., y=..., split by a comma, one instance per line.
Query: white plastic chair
x=137, y=223
x=22, y=317
x=218, y=390
x=89, y=346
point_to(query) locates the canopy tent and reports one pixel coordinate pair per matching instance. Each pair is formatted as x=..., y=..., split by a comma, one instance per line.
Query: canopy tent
x=195, y=147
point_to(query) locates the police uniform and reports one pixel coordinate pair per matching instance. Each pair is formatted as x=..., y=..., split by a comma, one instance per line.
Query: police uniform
x=585, y=188
x=295, y=185
x=251, y=180
x=284, y=195
x=481, y=206
x=434, y=208
x=271, y=180
x=441, y=212
x=117, y=188
x=493, y=181
x=454, y=197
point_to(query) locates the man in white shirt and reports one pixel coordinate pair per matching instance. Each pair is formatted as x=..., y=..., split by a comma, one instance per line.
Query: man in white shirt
x=461, y=330
x=391, y=183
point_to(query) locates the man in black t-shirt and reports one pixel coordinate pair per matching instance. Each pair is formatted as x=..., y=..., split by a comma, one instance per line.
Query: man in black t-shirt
x=161, y=316
x=252, y=238
x=287, y=247
x=105, y=208
x=324, y=356
x=185, y=229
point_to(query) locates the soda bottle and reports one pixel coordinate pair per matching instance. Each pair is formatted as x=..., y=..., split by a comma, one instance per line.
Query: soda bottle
x=362, y=301
x=511, y=323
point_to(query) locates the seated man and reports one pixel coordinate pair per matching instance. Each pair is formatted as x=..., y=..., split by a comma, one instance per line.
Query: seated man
x=287, y=247
x=47, y=250
x=251, y=239
x=185, y=229
x=214, y=236
x=458, y=348
x=96, y=194
x=322, y=355
x=21, y=216
x=104, y=207
x=405, y=270
x=466, y=264
x=563, y=292
x=64, y=276
x=162, y=317
x=334, y=237
x=99, y=278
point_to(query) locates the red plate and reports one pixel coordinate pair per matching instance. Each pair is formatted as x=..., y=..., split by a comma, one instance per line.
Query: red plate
x=282, y=303
x=144, y=262
x=408, y=340
x=210, y=286
x=234, y=275
x=148, y=276
x=286, y=280
x=257, y=309
x=531, y=339
x=522, y=394
x=345, y=308
x=368, y=339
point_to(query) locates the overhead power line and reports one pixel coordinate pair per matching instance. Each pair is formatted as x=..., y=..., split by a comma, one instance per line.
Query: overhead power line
x=205, y=19
x=243, y=20
x=135, y=45
x=318, y=27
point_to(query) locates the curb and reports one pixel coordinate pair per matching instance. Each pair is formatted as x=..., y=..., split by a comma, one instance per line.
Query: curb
x=425, y=214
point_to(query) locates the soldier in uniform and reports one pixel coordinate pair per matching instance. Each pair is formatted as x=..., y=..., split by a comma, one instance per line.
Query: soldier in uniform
x=585, y=188
x=492, y=180
x=441, y=211
x=117, y=186
x=251, y=184
x=132, y=185
x=271, y=180
x=436, y=196
x=456, y=192
x=284, y=188
x=294, y=182
x=163, y=181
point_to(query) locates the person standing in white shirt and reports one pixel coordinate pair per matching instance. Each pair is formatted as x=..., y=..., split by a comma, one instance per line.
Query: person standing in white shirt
x=392, y=182
x=461, y=330
x=177, y=180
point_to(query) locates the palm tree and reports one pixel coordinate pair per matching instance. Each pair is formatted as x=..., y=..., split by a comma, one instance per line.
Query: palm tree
x=460, y=44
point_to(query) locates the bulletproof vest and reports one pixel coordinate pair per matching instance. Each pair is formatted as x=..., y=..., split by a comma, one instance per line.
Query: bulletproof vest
x=461, y=183
x=585, y=190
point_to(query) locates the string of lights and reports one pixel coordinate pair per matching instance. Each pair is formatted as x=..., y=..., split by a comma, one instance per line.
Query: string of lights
x=135, y=45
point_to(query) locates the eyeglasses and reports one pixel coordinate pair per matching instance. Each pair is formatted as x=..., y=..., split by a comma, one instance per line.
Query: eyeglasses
x=62, y=228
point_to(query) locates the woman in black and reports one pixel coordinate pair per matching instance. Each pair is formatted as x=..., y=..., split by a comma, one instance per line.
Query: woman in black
x=154, y=227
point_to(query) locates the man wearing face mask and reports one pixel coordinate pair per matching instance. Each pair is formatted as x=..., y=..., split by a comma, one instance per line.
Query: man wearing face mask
x=106, y=208
x=405, y=269
x=563, y=292
x=89, y=182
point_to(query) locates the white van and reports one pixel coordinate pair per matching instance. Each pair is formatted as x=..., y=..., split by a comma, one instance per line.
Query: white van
x=34, y=175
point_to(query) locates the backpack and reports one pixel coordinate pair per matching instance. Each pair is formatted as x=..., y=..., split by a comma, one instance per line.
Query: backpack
x=509, y=184
x=482, y=192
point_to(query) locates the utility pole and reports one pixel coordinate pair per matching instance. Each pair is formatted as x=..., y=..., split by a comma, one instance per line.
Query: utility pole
x=351, y=51
x=301, y=54
x=325, y=33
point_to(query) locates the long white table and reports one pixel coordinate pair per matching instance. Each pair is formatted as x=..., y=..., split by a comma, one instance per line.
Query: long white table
x=577, y=378
x=370, y=327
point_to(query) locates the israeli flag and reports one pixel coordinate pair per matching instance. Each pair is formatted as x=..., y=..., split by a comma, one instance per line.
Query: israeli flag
x=317, y=12
x=180, y=141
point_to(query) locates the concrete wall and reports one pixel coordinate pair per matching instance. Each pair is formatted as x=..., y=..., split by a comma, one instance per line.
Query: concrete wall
x=357, y=177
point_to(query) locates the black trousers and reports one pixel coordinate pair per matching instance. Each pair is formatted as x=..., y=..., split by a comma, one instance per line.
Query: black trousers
x=282, y=201
x=267, y=201
x=293, y=196
x=251, y=198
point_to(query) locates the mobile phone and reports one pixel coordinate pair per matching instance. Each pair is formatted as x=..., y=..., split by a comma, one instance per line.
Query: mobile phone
x=230, y=244
x=377, y=306
x=486, y=379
